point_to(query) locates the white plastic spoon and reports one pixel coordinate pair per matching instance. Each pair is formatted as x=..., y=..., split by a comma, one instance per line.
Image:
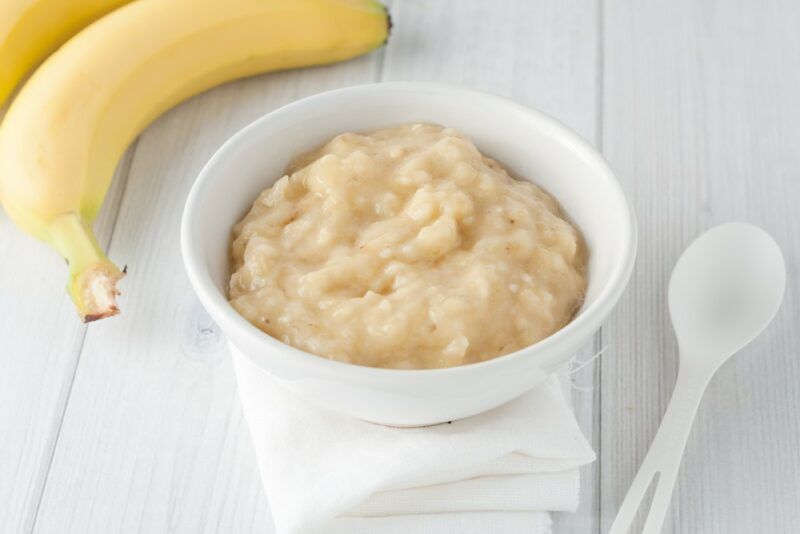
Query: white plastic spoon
x=725, y=289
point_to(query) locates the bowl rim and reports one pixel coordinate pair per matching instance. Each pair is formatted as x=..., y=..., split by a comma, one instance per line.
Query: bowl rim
x=235, y=325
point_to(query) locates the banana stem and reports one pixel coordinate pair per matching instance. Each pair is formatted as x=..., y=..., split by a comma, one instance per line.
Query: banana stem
x=92, y=276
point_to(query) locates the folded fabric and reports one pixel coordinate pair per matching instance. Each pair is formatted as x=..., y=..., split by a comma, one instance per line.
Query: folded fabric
x=497, y=472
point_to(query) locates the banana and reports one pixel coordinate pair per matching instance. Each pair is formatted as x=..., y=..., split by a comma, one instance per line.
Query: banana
x=31, y=29
x=67, y=129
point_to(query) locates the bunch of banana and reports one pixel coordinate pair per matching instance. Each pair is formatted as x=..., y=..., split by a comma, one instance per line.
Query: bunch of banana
x=70, y=124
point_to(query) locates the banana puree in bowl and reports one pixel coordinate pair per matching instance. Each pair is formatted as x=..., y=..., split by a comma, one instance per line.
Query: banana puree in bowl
x=406, y=248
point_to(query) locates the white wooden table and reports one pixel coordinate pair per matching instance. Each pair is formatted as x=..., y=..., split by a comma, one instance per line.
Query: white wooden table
x=133, y=424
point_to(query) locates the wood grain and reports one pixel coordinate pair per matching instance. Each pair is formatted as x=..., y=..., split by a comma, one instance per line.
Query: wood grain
x=701, y=123
x=540, y=53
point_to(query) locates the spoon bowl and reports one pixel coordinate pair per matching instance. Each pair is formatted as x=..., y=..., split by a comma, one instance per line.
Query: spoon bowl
x=725, y=289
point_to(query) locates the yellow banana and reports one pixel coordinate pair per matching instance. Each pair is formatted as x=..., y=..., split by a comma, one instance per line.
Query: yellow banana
x=68, y=127
x=31, y=29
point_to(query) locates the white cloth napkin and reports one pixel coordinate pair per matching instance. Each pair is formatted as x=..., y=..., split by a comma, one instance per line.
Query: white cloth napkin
x=498, y=472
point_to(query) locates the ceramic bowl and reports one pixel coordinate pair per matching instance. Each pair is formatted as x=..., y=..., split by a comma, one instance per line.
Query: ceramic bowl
x=531, y=145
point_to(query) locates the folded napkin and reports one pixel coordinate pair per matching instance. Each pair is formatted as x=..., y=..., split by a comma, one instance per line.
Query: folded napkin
x=498, y=472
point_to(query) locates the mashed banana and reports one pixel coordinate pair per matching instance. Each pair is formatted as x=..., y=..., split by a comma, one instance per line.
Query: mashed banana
x=406, y=248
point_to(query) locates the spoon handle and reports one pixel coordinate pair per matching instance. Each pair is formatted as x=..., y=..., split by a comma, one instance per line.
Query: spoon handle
x=664, y=456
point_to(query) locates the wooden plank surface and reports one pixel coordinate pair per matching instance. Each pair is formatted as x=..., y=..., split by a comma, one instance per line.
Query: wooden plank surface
x=41, y=345
x=702, y=124
x=133, y=424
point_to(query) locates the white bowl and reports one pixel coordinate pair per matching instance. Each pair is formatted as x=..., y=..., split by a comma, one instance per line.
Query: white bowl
x=530, y=144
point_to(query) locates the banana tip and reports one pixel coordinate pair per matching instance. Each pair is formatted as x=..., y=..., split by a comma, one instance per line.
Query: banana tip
x=97, y=316
x=97, y=290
